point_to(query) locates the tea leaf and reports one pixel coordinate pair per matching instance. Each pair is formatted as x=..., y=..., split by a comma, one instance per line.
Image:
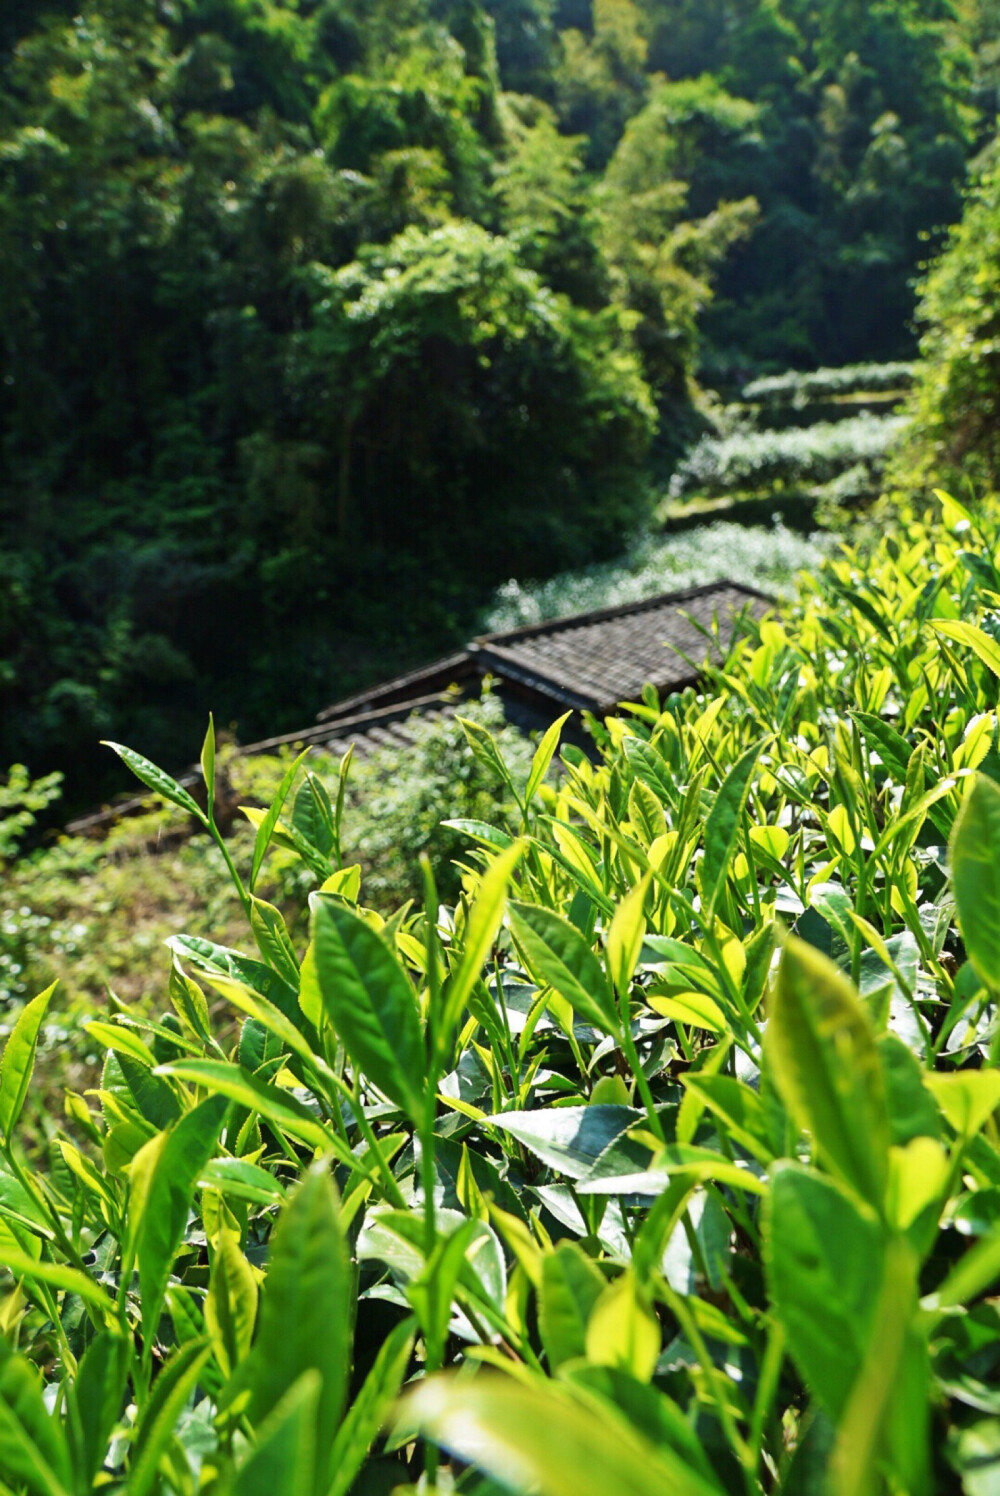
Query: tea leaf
x=975, y=871
x=18, y=1061
x=231, y=1303
x=187, y=1148
x=623, y=1331
x=367, y=1413
x=207, y=761
x=32, y=1449
x=625, y=936
x=822, y=1253
x=821, y=1051
x=272, y=1102
x=283, y=1461
x=481, y=928
x=265, y=829
x=967, y=1099
x=571, y=1286
x=541, y=1438
x=55, y=1274
x=889, y=1403
x=976, y=639
x=723, y=827
x=156, y=780
x=543, y=756
x=568, y=1138
x=306, y=1312
x=97, y=1396
x=557, y=956
x=370, y=1003
x=171, y=1390
x=692, y=1008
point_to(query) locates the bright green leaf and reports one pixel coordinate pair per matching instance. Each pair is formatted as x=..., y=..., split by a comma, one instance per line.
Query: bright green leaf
x=370, y=1003
x=975, y=871
x=557, y=956
x=821, y=1053
x=18, y=1061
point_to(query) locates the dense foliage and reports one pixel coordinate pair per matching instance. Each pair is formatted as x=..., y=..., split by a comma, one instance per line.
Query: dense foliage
x=853, y=381
x=695, y=1203
x=954, y=411
x=755, y=462
x=319, y=319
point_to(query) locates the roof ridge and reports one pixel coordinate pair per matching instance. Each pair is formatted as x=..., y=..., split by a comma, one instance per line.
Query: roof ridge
x=395, y=683
x=319, y=732
x=621, y=610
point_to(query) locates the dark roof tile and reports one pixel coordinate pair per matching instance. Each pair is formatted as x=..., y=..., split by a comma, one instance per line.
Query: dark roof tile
x=595, y=660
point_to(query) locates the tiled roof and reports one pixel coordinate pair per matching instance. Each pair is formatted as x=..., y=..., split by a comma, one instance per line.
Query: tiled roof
x=456, y=669
x=595, y=660
x=590, y=661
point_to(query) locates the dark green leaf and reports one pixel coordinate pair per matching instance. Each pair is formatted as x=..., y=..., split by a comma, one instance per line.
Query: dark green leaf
x=568, y=1138
x=154, y=1099
x=272, y=1102
x=557, y=956
x=96, y=1402
x=171, y=1391
x=823, y=1255
x=822, y=1058
x=723, y=827
x=187, y=1148
x=283, y=1461
x=367, y=1414
x=975, y=871
x=33, y=1451
x=571, y=1286
x=306, y=1312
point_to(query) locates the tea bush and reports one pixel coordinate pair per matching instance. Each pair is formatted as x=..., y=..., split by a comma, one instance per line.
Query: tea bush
x=797, y=458
x=798, y=389
x=666, y=1159
x=753, y=555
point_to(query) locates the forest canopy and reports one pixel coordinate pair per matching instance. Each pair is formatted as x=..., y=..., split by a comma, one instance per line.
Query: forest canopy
x=318, y=318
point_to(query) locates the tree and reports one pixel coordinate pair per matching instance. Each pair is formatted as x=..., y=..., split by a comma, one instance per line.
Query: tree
x=601, y=79
x=662, y=259
x=514, y=423
x=545, y=200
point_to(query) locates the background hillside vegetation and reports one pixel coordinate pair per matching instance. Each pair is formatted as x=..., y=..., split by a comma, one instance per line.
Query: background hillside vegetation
x=310, y=306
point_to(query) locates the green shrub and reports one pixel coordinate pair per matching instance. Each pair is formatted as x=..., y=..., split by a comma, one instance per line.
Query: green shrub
x=798, y=458
x=797, y=389
x=21, y=799
x=396, y=800
x=637, y=1191
x=954, y=431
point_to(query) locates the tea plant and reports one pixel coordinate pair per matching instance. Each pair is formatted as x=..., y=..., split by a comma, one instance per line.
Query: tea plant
x=769, y=557
x=666, y=1160
x=795, y=458
x=798, y=389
